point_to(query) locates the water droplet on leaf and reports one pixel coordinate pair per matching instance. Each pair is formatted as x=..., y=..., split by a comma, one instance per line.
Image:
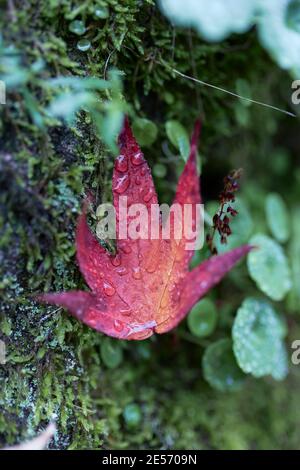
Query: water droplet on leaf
x=108, y=288
x=126, y=249
x=125, y=311
x=148, y=195
x=122, y=163
x=122, y=184
x=122, y=271
x=116, y=261
x=136, y=273
x=137, y=158
x=119, y=326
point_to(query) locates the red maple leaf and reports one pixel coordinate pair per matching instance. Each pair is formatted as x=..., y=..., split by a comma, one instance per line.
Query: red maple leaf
x=146, y=287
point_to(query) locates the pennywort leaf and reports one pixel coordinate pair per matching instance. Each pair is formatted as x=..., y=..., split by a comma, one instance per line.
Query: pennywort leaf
x=258, y=340
x=220, y=369
x=277, y=217
x=202, y=319
x=268, y=267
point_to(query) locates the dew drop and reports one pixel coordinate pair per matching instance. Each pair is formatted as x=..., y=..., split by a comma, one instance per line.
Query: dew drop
x=154, y=287
x=122, y=271
x=92, y=323
x=137, y=180
x=77, y=27
x=136, y=273
x=122, y=184
x=176, y=296
x=116, y=260
x=126, y=249
x=151, y=267
x=83, y=45
x=101, y=12
x=137, y=158
x=122, y=163
x=119, y=326
x=108, y=288
x=148, y=195
x=143, y=171
x=125, y=311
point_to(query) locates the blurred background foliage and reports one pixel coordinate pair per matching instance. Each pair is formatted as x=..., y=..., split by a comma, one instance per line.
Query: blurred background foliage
x=224, y=378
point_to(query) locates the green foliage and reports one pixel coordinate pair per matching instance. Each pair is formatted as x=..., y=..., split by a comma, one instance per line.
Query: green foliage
x=257, y=340
x=220, y=368
x=111, y=353
x=268, y=267
x=178, y=136
x=132, y=415
x=294, y=252
x=145, y=131
x=202, y=319
x=77, y=27
x=278, y=217
x=69, y=95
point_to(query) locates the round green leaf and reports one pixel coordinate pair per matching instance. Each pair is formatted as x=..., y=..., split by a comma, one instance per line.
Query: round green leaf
x=111, y=353
x=220, y=369
x=277, y=217
x=132, y=415
x=145, y=131
x=257, y=340
x=278, y=28
x=213, y=19
x=202, y=319
x=268, y=267
x=178, y=136
x=143, y=350
x=159, y=170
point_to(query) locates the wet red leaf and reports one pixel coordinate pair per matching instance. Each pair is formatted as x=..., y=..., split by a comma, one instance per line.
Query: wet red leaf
x=146, y=287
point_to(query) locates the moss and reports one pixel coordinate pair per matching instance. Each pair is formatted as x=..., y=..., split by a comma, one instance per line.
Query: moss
x=54, y=368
